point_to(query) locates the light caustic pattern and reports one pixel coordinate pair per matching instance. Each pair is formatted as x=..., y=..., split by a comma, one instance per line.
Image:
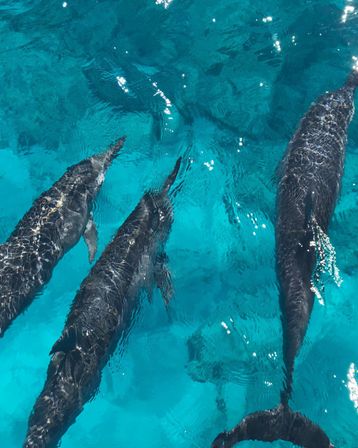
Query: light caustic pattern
x=326, y=261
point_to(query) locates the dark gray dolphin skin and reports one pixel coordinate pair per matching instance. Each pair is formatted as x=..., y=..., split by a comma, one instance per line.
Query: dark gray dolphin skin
x=308, y=189
x=103, y=312
x=51, y=227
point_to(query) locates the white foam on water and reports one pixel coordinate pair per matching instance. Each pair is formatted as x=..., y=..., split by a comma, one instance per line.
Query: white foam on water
x=326, y=261
x=165, y=3
x=352, y=385
x=348, y=9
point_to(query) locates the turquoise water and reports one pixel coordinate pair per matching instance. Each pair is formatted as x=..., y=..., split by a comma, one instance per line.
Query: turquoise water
x=225, y=83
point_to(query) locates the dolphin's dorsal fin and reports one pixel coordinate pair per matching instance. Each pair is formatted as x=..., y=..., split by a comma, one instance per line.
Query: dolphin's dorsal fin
x=90, y=236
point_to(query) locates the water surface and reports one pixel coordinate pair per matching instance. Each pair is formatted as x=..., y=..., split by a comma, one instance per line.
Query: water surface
x=224, y=83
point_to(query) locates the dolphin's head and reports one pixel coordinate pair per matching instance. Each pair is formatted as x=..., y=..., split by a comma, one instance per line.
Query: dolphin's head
x=88, y=175
x=104, y=159
x=159, y=214
x=101, y=162
x=158, y=208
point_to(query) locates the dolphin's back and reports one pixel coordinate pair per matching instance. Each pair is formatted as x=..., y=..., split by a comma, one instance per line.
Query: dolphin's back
x=310, y=178
x=104, y=299
x=103, y=311
x=308, y=190
x=49, y=212
x=100, y=314
x=314, y=158
x=53, y=224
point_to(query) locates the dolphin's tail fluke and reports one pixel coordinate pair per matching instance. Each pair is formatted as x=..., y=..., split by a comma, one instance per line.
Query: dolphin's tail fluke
x=275, y=424
x=352, y=80
x=172, y=176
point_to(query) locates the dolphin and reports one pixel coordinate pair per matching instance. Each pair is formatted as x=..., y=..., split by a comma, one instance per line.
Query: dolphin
x=102, y=313
x=54, y=224
x=309, y=186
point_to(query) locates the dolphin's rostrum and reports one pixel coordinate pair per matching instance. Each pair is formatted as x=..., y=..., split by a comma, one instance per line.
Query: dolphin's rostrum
x=308, y=189
x=102, y=313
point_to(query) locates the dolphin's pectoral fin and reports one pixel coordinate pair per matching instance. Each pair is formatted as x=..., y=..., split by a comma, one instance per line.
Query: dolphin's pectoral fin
x=90, y=236
x=164, y=283
x=163, y=278
x=66, y=342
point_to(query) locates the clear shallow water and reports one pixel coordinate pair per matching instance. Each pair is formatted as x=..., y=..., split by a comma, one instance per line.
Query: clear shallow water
x=235, y=78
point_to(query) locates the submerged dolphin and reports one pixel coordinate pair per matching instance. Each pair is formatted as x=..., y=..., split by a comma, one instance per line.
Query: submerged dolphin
x=101, y=314
x=51, y=227
x=309, y=186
